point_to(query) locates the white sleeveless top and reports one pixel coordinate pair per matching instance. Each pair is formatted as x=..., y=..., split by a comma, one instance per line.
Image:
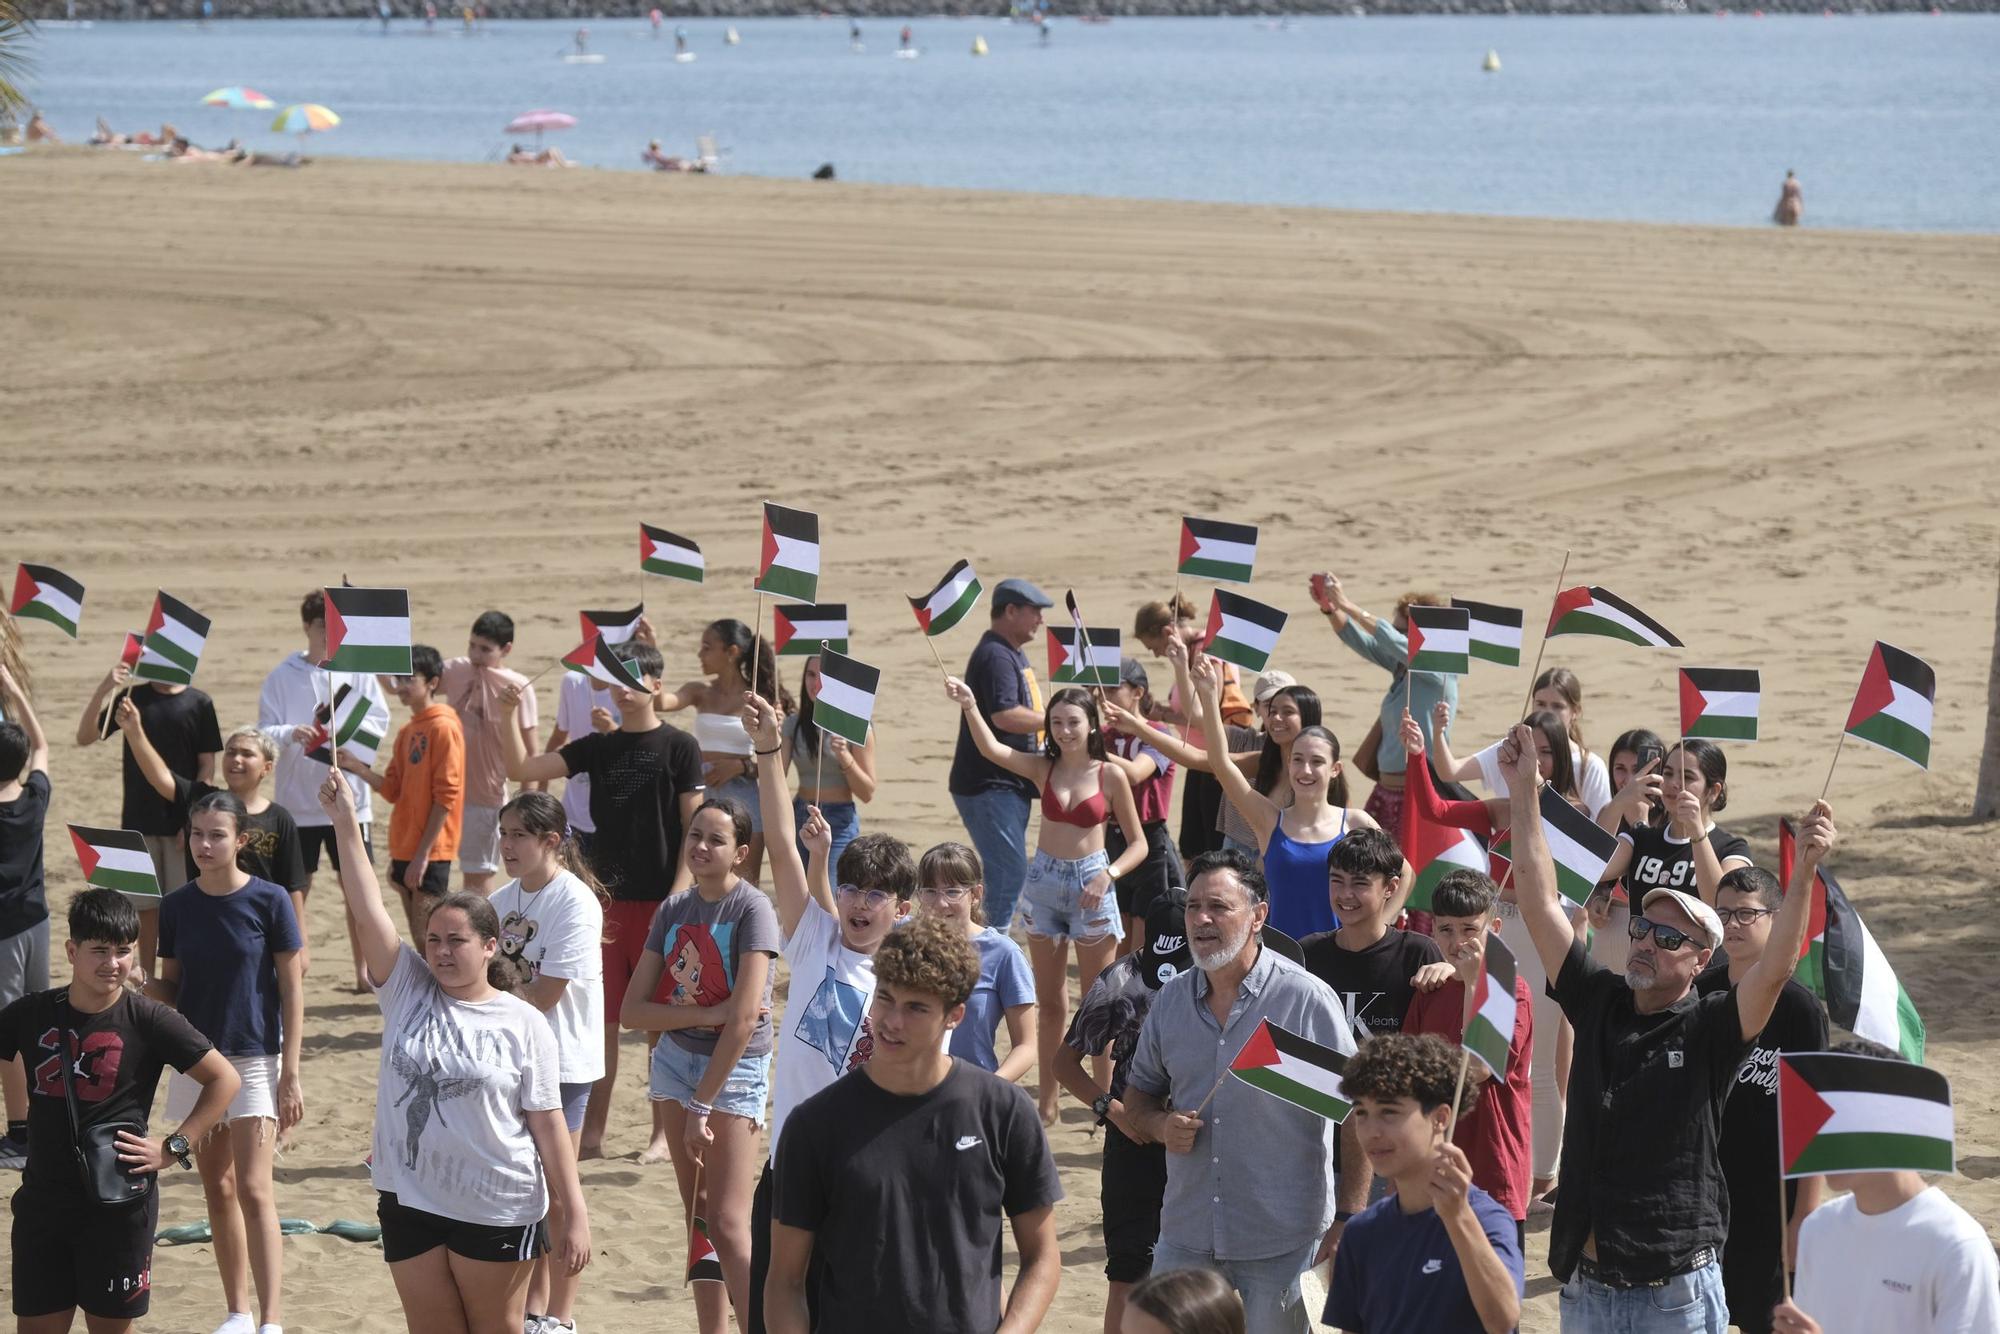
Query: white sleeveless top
x=721, y=734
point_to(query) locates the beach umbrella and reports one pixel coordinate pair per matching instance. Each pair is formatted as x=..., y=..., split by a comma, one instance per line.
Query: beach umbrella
x=239, y=98
x=534, y=122
x=303, y=118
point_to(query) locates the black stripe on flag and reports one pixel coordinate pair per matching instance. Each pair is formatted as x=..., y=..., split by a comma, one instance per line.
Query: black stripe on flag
x=1291, y=1044
x=1909, y=671
x=1440, y=618
x=1724, y=680
x=799, y=525
x=1249, y=609
x=177, y=610
x=857, y=675
x=939, y=586
x=1489, y=613
x=388, y=602
x=1579, y=828
x=48, y=576
x=1244, y=534
x=1850, y=1072
x=1611, y=599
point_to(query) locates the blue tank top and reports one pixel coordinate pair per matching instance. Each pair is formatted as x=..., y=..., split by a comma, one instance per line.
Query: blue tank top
x=1296, y=874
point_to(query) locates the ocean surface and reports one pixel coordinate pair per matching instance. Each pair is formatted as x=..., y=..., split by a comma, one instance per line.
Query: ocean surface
x=1890, y=122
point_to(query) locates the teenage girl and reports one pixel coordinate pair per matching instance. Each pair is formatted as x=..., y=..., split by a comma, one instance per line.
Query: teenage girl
x=950, y=887
x=726, y=752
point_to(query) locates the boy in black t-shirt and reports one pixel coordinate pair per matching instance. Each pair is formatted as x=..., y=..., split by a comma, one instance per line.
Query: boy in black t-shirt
x=69, y=1251
x=24, y=909
x=898, y=1173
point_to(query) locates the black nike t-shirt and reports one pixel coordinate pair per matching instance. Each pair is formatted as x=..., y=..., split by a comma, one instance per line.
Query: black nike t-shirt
x=1373, y=983
x=906, y=1195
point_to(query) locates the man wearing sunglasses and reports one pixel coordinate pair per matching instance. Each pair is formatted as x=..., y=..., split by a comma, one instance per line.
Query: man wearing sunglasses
x=1644, y=1211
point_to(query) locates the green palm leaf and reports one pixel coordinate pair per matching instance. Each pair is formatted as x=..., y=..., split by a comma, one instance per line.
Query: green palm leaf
x=15, y=33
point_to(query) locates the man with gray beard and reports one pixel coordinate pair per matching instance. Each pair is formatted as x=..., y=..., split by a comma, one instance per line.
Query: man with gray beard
x=1644, y=1209
x=1250, y=1179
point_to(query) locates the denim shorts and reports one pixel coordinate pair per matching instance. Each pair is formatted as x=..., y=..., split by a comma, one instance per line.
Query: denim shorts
x=1052, y=899
x=677, y=1073
x=743, y=791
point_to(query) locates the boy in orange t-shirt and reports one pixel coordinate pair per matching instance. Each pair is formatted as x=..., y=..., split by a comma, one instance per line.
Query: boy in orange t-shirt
x=426, y=786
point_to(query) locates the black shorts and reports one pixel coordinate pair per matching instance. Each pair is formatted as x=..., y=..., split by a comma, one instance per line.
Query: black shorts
x=1131, y=1188
x=437, y=877
x=408, y=1233
x=1150, y=878
x=314, y=837
x=71, y=1254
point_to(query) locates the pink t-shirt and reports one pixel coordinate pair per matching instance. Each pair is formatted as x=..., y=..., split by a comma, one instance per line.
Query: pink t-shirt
x=475, y=694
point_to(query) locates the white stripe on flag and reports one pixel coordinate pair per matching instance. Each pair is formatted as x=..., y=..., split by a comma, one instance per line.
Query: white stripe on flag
x=372, y=631
x=1499, y=1010
x=1608, y=612
x=1877, y=1016
x=842, y=696
x=948, y=596
x=1886, y=1114
x=134, y=861
x=1492, y=632
x=818, y=629
x=673, y=555
x=58, y=601
x=1224, y=553
x=792, y=554
x=174, y=632
x=1907, y=706
x=1301, y=1071
x=1567, y=852
x=1728, y=704
x=1247, y=633
x=1446, y=641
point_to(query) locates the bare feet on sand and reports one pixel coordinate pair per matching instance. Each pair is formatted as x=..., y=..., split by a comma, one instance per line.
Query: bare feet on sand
x=657, y=1152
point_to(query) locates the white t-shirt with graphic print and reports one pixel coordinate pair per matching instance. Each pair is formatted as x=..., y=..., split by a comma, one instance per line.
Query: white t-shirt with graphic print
x=559, y=930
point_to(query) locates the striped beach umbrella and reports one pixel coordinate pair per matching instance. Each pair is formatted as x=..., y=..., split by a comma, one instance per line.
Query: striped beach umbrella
x=303, y=118
x=238, y=97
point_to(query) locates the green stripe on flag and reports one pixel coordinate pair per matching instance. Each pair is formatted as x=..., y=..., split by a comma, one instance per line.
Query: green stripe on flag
x=943, y=620
x=842, y=724
x=369, y=659
x=1445, y=664
x=655, y=565
x=1487, y=651
x=1489, y=1044
x=166, y=648
x=1217, y=569
x=779, y=581
x=1316, y=1101
x=42, y=611
x=1722, y=727
x=1893, y=734
x=140, y=883
x=1873, y=1152
x=153, y=669
x=1588, y=623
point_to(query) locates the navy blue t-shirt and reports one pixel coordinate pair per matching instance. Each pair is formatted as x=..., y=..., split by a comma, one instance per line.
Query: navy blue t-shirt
x=224, y=944
x=999, y=678
x=1396, y=1271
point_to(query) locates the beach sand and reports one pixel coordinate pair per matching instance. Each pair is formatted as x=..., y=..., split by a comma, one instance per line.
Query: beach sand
x=474, y=381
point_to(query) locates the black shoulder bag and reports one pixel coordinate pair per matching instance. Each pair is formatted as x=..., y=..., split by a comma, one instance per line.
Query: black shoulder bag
x=105, y=1180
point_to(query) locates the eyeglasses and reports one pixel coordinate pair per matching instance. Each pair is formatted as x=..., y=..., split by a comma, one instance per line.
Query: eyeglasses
x=1664, y=936
x=1742, y=916
x=868, y=898
x=945, y=893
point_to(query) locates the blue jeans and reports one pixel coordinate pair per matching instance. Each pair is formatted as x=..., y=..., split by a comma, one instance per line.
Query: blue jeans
x=844, y=818
x=997, y=822
x=1691, y=1303
x=1269, y=1288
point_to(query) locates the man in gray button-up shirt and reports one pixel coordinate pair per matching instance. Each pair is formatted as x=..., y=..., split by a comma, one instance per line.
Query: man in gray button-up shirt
x=1250, y=1183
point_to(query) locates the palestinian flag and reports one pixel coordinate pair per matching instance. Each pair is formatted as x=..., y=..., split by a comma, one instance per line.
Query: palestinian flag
x=1846, y=969
x=1598, y=611
x=1893, y=707
x=594, y=658
x=47, y=594
x=1296, y=1069
x=1441, y=640
x=798, y=629
x=347, y=722
x=1242, y=631
x=1489, y=1033
x=945, y=606
x=1720, y=703
x=1436, y=851
x=1579, y=847
x=1842, y=1112
x=616, y=627
x=1067, y=666
x=665, y=553
x=117, y=859
x=704, y=1265
x=368, y=630
x=846, y=699
x=1495, y=632
x=134, y=646
x=171, y=650
x=1211, y=549
x=789, y=565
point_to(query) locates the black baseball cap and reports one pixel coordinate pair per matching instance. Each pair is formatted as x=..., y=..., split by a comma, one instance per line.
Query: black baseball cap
x=1164, y=955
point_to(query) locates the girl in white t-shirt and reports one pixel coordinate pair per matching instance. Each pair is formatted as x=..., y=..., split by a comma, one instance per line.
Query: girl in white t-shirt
x=1557, y=691
x=552, y=932
x=469, y=1149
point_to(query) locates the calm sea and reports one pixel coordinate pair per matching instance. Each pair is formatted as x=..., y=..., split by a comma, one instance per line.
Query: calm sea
x=1890, y=122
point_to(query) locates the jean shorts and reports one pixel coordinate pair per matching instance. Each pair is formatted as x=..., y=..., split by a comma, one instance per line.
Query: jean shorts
x=742, y=791
x=677, y=1073
x=1052, y=899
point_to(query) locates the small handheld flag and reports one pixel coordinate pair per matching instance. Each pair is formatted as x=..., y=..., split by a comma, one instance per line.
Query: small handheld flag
x=1298, y=1070
x=368, y=630
x=1720, y=703
x=347, y=723
x=615, y=626
x=1843, y=1112
x=945, y=606
x=1598, y=611
x=1440, y=640
x=1892, y=710
x=47, y=594
x=1494, y=634
x=789, y=564
x=668, y=554
x=800, y=627
x=1242, y=630
x=175, y=636
x=1842, y=965
x=595, y=660
x=1579, y=848
x=1066, y=656
x=846, y=700
x=1212, y=549
x=1489, y=1033
x=704, y=1265
x=1436, y=850
x=117, y=859
x=134, y=646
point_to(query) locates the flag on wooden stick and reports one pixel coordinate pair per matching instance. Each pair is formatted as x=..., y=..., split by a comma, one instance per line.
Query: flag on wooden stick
x=1440, y=640
x=1844, y=1112
x=669, y=554
x=175, y=636
x=945, y=606
x=846, y=700
x=1842, y=965
x=135, y=645
x=1067, y=664
x=347, y=728
x=1579, y=848
x=1212, y=549
x=1242, y=630
x=1489, y=1033
x=47, y=594
x=1892, y=709
x=1720, y=703
x=789, y=564
x=594, y=659
x=368, y=631
x=1302, y=1072
x=799, y=628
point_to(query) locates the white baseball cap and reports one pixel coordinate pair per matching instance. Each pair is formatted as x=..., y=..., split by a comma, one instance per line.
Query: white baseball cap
x=1703, y=916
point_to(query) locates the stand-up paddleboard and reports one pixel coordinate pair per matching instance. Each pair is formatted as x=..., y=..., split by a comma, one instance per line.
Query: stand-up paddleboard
x=732, y=38
x=683, y=57
x=592, y=59
x=908, y=53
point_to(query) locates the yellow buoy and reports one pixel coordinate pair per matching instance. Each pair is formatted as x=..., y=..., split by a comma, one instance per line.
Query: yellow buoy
x=979, y=46
x=1492, y=64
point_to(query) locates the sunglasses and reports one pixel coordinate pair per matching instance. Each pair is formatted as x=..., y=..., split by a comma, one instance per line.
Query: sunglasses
x=1664, y=936
x=1742, y=916
x=868, y=898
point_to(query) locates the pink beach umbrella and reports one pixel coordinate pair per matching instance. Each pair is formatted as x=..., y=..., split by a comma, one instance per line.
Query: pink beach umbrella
x=536, y=122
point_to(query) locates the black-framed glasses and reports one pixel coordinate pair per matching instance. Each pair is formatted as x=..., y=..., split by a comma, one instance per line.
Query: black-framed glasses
x=869, y=898
x=1666, y=937
x=1742, y=916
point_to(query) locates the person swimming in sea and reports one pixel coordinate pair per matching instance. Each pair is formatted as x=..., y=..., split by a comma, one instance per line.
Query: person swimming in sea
x=1791, y=203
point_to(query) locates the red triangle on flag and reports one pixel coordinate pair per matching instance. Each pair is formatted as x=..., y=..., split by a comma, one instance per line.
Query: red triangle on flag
x=25, y=589
x=1416, y=639
x=1875, y=693
x=1568, y=601
x=770, y=552
x=583, y=655
x=1214, y=620
x=782, y=630
x=1188, y=543
x=1801, y=1113
x=1259, y=1051
x=1059, y=656
x=336, y=629
x=85, y=854
x=704, y=1265
x=157, y=619
x=1693, y=703
x=134, y=648
x=646, y=547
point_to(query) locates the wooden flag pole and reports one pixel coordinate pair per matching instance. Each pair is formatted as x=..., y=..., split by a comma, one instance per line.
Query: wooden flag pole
x=539, y=675
x=756, y=644
x=1211, y=1095
x=111, y=705
x=819, y=750
x=1784, y=1229
x=1560, y=576
x=1828, y=785
x=931, y=644
x=1464, y=1052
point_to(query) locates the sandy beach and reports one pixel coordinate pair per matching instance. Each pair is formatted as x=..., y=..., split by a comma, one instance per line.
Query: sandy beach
x=474, y=381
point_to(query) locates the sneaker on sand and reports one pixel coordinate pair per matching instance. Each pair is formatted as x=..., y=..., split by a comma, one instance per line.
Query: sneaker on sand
x=13, y=1153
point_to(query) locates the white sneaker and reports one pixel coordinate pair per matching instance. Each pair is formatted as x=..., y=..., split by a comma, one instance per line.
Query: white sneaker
x=237, y=1322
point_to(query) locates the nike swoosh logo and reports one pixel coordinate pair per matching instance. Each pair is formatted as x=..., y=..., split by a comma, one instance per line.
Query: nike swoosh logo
x=966, y=1142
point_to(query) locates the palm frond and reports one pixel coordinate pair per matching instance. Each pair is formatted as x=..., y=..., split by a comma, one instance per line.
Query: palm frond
x=16, y=31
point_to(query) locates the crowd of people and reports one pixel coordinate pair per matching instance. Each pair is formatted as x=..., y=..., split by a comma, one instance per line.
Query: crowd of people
x=849, y=1160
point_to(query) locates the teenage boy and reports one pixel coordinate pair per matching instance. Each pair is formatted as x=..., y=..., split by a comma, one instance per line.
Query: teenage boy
x=181, y=722
x=897, y=1176
x=645, y=785
x=1440, y=1255
x=1134, y=1179
x=1496, y=1133
x=1747, y=901
x=472, y=686
x=108, y=1044
x=829, y=942
x=24, y=907
x=425, y=785
x=1370, y=965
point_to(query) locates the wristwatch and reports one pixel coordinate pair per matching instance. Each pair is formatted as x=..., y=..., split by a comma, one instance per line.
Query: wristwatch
x=1100, y=1107
x=177, y=1149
